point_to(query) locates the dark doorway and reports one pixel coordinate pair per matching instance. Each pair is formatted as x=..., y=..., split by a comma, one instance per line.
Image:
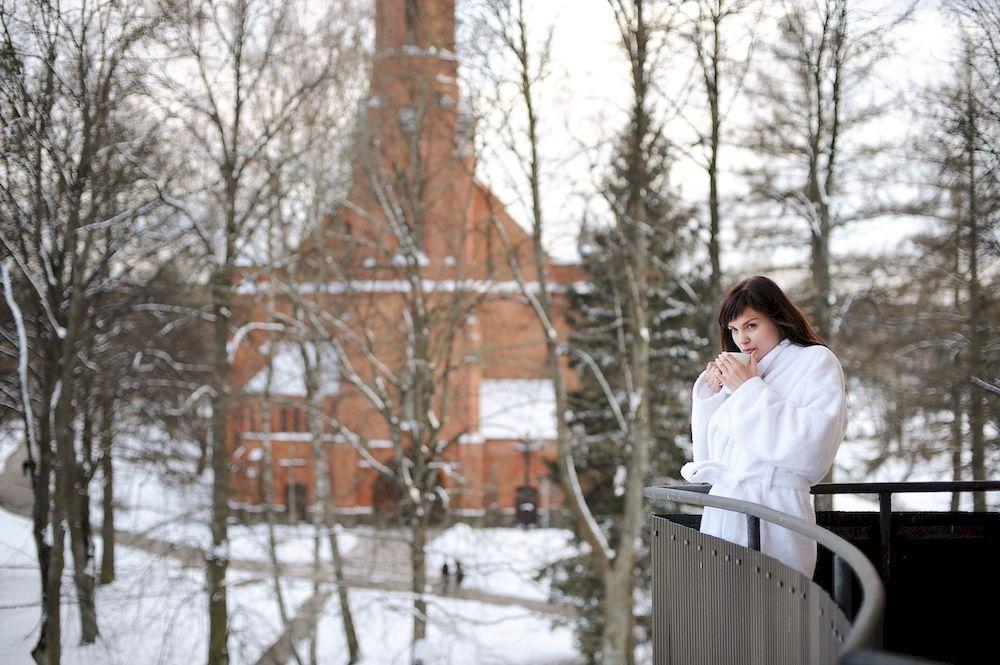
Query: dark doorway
x=297, y=502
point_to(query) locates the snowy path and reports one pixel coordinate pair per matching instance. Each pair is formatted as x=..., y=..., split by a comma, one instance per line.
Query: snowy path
x=298, y=629
x=380, y=561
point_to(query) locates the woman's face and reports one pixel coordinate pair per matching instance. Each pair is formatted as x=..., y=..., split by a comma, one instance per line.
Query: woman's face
x=753, y=330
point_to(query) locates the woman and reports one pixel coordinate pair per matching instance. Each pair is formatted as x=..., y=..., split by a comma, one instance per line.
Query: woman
x=767, y=431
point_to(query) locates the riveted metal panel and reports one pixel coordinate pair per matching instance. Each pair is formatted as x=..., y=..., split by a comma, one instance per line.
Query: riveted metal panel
x=716, y=603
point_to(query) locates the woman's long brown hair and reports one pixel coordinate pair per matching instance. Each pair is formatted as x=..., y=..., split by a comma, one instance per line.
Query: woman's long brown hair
x=765, y=296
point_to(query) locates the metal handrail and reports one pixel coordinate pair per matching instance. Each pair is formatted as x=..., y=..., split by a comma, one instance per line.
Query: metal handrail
x=908, y=486
x=867, y=624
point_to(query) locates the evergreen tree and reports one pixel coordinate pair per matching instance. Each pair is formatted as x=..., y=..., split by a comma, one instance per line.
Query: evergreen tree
x=599, y=351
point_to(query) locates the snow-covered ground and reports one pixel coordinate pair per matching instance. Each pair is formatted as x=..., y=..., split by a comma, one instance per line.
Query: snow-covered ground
x=169, y=504
x=459, y=632
x=173, y=507
x=501, y=561
x=155, y=611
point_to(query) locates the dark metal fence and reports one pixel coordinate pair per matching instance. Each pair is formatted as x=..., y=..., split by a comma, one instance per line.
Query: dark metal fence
x=938, y=569
x=885, y=492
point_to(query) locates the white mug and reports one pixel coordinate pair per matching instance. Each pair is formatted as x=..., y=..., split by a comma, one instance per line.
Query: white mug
x=741, y=357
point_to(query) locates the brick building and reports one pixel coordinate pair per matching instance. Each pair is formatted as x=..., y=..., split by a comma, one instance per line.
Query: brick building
x=415, y=169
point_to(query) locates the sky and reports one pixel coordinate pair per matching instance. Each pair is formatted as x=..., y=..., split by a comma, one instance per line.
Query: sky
x=583, y=103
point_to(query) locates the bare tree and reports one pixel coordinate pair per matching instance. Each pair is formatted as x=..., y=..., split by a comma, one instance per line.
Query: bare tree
x=227, y=116
x=722, y=77
x=304, y=187
x=979, y=128
x=811, y=80
x=961, y=150
x=923, y=325
x=394, y=313
x=510, y=29
x=76, y=189
x=642, y=30
x=806, y=134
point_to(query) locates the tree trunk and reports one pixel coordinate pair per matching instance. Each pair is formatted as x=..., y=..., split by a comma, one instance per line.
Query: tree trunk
x=78, y=515
x=314, y=619
x=50, y=652
x=977, y=394
x=41, y=517
x=956, y=443
x=218, y=557
x=267, y=478
x=322, y=513
x=715, y=279
x=820, y=269
x=418, y=543
x=108, y=497
x=620, y=575
x=70, y=475
x=353, y=648
x=957, y=389
x=323, y=520
x=272, y=550
x=81, y=536
x=618, y=614
x=53, y=647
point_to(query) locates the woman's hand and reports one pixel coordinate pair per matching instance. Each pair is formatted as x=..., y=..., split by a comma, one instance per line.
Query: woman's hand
x=714, y=378
x=734, y=373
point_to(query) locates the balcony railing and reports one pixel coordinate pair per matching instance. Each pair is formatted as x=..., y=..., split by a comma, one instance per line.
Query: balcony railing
x=708, y=607
x=718, y=602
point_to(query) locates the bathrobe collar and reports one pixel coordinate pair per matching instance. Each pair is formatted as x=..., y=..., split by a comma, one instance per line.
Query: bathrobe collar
x=765, y=363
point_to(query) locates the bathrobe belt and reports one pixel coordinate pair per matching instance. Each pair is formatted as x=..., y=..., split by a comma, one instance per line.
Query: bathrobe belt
x=715, y=472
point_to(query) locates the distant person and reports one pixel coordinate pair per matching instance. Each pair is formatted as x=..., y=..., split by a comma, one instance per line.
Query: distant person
x=766, y=427
x=459, y=574
x=445, y=577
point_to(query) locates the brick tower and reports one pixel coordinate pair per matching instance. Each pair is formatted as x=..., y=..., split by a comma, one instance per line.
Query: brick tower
x=414, y=151
x=415, y=207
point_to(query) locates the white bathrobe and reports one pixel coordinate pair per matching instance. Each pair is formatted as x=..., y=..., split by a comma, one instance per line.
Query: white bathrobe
x=768, y=442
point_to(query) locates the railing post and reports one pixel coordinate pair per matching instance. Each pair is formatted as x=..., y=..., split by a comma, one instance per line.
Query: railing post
x=753, y=533
x=885, y=532
x=842, y=586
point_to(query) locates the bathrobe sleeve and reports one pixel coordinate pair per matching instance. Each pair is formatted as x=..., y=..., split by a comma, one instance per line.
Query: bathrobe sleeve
x=800, y=435
x=704, y=403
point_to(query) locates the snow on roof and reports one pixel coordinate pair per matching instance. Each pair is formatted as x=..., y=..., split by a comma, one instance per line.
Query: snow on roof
x=288, y=372
x=517, y=408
